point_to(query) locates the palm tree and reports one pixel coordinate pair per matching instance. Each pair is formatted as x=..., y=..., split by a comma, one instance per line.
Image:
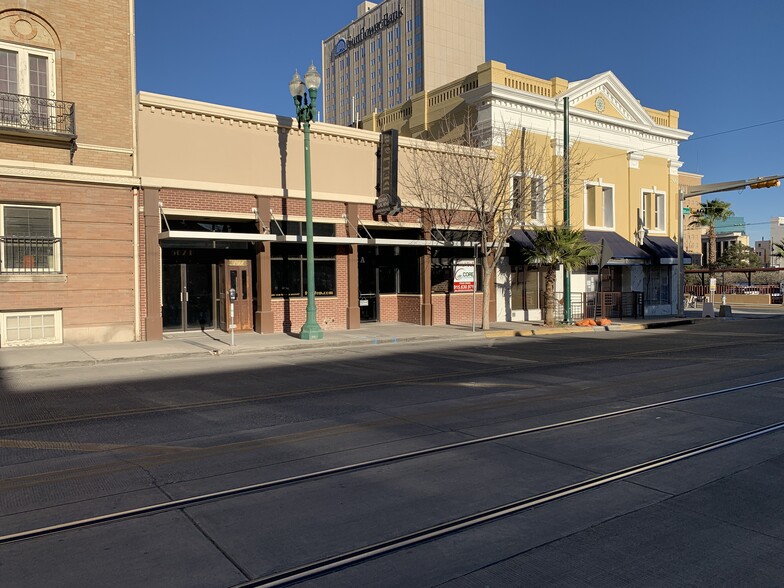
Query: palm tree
x=554, y=246
x=709, y=214
x=778, y=249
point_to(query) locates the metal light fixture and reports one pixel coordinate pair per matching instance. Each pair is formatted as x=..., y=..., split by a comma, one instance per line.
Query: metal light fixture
x=305, y=95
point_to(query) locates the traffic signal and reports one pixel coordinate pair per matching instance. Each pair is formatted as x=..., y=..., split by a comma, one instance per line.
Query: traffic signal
x=765, y=184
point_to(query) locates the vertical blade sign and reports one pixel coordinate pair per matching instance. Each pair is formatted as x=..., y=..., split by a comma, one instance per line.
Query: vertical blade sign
x=387, y=201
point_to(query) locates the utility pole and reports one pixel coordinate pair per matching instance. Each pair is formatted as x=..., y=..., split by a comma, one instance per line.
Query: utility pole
x=567, y=277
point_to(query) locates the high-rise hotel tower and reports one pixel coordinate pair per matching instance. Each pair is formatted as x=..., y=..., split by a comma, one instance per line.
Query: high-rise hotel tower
x=396, y=49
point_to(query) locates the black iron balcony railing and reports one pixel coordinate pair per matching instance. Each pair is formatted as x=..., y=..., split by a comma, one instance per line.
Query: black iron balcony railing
x=29, y=113
x=30, y=255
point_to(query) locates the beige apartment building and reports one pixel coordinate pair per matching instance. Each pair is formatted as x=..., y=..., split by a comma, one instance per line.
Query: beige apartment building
x=398, y=48
x=67, y=235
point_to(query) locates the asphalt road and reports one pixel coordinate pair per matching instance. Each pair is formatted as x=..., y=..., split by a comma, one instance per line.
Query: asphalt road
x=84, y=442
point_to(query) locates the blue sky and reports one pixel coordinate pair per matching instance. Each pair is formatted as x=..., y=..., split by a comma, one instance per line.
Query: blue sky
x=719, y=63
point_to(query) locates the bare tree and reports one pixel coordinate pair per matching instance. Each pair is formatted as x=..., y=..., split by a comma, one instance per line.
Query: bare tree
x=487, y=183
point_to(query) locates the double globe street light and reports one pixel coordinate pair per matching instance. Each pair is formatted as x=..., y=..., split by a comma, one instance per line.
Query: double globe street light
x=305, y=94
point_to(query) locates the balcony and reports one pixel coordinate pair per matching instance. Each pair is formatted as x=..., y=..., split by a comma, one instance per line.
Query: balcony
x=38, y=120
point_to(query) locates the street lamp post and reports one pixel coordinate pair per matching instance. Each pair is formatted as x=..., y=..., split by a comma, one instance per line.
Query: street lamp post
x=304, y=94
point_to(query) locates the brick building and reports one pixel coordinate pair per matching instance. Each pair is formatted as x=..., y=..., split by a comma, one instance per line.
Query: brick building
x=67, y=162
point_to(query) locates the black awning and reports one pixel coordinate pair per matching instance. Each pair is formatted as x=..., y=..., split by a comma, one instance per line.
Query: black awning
x=623, y=252
x=664, y=249
x=522, y=238
x=519, y=241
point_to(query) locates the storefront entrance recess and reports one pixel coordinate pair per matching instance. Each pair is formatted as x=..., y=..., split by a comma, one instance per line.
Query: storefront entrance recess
x=368, y=285
x=187, y=296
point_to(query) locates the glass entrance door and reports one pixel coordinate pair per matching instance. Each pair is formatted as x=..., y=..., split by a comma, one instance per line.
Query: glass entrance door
x=368, y=285
x=188, y=296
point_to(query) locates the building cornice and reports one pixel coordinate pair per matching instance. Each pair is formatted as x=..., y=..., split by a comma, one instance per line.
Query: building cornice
x=172, y=106
x=499, y=95
x=66, y=173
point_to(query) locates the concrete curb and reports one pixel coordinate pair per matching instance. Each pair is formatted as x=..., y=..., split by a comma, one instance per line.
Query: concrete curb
x=295, y=345
x=544, y=331
x=108, y=360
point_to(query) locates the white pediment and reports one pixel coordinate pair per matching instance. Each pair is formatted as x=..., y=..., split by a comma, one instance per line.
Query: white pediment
x=604, y=94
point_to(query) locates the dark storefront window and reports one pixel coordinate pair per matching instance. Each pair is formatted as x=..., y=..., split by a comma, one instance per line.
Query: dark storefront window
x=398, y=270
x=410, y=277
x=611, y=279
x=657, y=288
x=289, y=270
x=527, y=283
x=299, y=229
x=387, y=280
x=186, y=224
x=445, y=259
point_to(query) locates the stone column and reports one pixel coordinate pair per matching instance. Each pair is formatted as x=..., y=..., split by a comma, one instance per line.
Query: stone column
x=426, y=282
x=264, y=319
x=153, y=320
x=352, y=270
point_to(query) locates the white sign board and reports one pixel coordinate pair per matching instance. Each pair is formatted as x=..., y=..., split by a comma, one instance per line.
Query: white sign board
x=713, y=285
x=463, y=277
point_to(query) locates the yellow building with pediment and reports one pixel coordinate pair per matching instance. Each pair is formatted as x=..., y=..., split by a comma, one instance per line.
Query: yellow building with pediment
x=623, y=189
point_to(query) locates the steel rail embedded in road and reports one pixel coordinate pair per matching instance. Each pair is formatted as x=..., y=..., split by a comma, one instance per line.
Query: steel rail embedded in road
x=344, y=560
x=252, y=488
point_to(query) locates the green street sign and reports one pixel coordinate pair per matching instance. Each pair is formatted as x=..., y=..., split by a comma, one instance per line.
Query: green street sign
x=686, y=210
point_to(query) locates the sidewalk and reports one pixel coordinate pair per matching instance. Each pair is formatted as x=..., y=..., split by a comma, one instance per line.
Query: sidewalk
x=217, y=343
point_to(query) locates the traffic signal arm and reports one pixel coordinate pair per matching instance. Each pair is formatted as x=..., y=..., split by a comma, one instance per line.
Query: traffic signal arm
x=702, y=189
x=766, y=184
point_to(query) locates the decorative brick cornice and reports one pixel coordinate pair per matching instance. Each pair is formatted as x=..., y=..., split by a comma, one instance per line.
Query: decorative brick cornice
x=67, y=173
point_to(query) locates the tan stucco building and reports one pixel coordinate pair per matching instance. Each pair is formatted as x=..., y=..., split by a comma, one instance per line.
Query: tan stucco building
x=224, y=207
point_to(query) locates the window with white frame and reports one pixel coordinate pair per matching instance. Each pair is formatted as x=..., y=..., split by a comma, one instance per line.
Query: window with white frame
x=29, y=72
x=35, y=327
x=27, y=89
x=528, y=199
x=538, y=209
x=653, y=210
x=29, y=239
x=517, y=198
x=599, y=206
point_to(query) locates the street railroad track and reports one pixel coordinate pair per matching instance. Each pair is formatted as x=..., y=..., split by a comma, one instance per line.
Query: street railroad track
x=438, y=530
x=527, y=366
x=347, y=559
